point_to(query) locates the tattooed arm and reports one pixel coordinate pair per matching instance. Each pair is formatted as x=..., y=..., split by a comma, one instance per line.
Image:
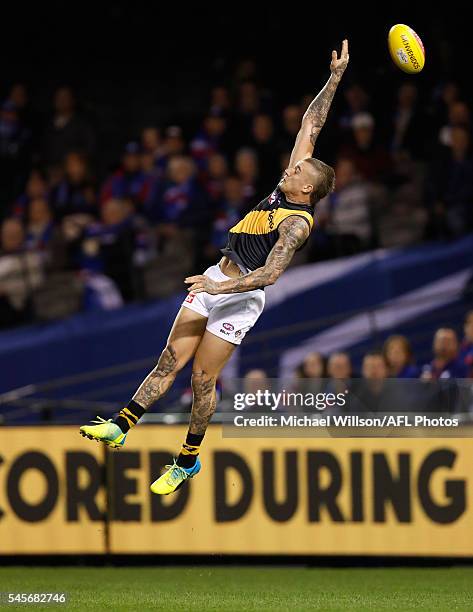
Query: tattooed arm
x=293, y=232
x=315, y=116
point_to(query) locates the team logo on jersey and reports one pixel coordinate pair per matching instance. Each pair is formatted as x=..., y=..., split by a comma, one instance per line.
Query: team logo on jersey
x=228, y=326
x=272, y=197
x=238, y=333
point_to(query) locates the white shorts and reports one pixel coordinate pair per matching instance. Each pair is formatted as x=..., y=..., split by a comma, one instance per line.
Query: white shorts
x=230, y=315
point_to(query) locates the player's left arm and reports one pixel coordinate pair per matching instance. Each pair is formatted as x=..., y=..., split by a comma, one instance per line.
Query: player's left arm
x=293, y=232
x=315, y=116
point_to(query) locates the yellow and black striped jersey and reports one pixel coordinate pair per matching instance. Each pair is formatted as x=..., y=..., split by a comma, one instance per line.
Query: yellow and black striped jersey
x=251, y=240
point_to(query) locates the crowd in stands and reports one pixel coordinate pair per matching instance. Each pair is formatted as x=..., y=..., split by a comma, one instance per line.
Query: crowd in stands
x=403, y=176
x=374, y=386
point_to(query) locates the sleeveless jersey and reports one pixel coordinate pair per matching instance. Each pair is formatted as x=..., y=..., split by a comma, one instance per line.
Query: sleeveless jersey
x=251, y=239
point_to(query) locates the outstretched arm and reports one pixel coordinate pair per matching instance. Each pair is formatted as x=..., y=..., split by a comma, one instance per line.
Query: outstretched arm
x=293, y=232
x=315, y=116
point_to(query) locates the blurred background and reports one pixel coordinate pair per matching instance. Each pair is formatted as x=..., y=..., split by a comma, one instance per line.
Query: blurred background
x=132, y=138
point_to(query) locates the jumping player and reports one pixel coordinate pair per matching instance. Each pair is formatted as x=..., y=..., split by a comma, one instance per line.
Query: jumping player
x=225, y=302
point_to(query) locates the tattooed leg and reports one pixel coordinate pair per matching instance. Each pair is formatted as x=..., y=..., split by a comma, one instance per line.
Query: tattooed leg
x=185, y=336
x=211, y=356
x=158, y=380
x=204, y=401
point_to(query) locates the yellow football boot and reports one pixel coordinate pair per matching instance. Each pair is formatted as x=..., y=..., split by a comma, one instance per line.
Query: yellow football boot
x=104, y=431
x=174, y=477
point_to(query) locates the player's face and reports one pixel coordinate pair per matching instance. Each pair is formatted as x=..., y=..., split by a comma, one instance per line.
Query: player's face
x=297, y=179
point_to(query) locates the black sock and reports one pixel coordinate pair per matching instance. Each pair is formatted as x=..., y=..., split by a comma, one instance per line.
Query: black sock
x=129, y=416
x=190, y=450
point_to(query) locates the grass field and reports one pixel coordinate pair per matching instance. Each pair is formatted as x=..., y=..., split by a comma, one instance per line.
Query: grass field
x=246, y=588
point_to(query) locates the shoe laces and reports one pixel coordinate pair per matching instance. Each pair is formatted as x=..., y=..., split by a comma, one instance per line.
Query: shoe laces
x=99, y=420
x=177, y=473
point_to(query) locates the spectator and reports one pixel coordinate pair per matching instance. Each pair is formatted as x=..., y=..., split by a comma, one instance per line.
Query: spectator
x=340, y=372
x=245, y=70
x=220, y=100
x=20, y=273
x=370, y=158
x=357, y=101
x=229, y=212
x=399, y=358
x=19, y=96
x=451, y=188
x=152, y=173
x=40, y=227
x=248, y=105
x=214, y=178
x=344, y=215
x=14, y=152
x=402, y=217
x=108, y=246
x=129, y=181
x=31, y=120
x=458, y=116
x=152, y=145
x=12, y=237
x=466, y=348
x=247, y=170
x=36, y=187
x=408, y=132
x=254, y=381
x=444, y=96
x=67, y=131
x=263, y=143
x=291, y=123
x=179, y=210
x=75, y=193
x=174, y=143
x=310, y=373
x=151, y=141
x=374, y=394
x=339, y=366
x=446, y=362
x=374, y=367
x=148, y=165
x=209, y=139
x=313, y=366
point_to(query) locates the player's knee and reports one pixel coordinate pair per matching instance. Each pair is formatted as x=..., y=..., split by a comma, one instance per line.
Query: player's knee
x=202, y=379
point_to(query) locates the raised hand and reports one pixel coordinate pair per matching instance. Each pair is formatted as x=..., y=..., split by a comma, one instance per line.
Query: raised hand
x=338, y=64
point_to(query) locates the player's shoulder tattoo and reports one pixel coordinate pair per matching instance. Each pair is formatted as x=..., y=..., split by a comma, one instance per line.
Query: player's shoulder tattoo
x=294, y=231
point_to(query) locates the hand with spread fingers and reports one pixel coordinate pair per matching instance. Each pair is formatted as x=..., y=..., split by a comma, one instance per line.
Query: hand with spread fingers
x=201, y=283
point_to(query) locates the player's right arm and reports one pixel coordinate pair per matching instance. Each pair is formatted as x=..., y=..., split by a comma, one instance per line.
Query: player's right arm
x=293, y=232
x=315, y=116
